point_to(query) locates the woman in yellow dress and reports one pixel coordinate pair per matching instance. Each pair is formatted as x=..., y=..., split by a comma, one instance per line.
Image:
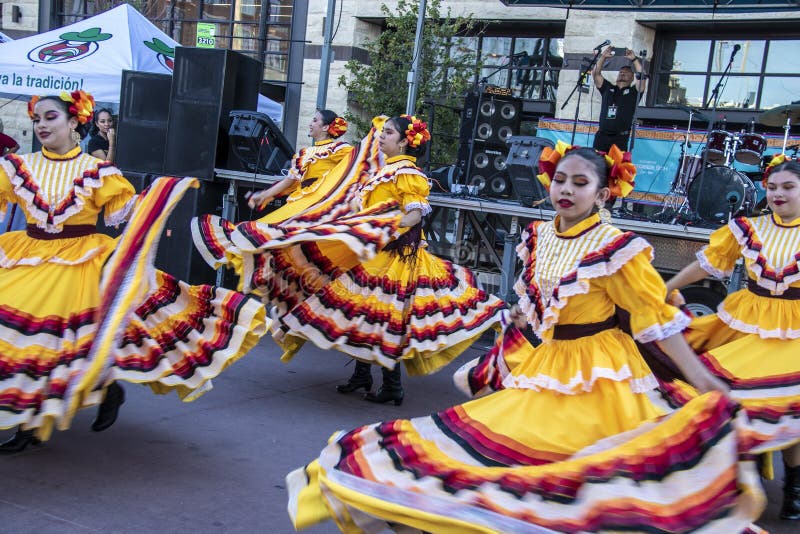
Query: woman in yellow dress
x=404, y=304
x=753, y=341
x=174, y=337
x=293, y=251
x=507, y=462
x=309, y=165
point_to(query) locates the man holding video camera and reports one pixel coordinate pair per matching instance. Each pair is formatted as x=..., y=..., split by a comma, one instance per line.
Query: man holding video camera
x=619, y=100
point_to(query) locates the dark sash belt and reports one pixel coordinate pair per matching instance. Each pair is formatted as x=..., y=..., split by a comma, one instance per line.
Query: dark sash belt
x=308, y=181
x=792, y=293
x=575, y=331
x=68, y=230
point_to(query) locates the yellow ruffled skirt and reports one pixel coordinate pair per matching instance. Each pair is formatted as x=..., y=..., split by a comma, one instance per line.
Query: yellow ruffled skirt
x=506, y=463
x=753, y=345
x=421, y=309
x=176, y=337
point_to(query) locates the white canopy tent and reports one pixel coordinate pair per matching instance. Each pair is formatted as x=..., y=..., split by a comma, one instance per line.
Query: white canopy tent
x=91, y=55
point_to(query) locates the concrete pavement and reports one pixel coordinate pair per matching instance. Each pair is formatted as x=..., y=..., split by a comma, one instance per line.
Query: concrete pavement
x=216, y=464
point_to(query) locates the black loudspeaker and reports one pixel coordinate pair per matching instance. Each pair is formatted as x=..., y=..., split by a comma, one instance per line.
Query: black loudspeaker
x=176, y=252
x=488, y=169
x=142, y=124
x=257, y=144
x=207, y=84
x=492, y=119
x=487, y=122
x=522, y=165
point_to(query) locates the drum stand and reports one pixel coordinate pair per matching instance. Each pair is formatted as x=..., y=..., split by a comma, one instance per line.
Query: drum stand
x=786, y=128
x=676, y=203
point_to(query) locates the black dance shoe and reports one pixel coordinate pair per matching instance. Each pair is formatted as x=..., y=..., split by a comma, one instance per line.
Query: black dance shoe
x=791, y=493
x=18, y=442
x=109, y=408
x=390, y=390
x=361, y=378
x=383, y=396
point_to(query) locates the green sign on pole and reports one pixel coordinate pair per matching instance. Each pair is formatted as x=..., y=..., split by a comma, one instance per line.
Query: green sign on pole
x=205, y=34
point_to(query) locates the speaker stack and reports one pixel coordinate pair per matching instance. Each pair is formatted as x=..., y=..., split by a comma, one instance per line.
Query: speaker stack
x=142, y=124
x=207, y=85
x=488, y=121
x=178, y=125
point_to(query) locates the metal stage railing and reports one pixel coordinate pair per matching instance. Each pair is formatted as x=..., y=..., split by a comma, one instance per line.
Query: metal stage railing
x=447, y=226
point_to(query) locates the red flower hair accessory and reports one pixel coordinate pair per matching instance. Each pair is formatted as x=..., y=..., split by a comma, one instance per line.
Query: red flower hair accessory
x=621, y=172
x=337, y=127
x=416, y=132
x=548, y=161
x=774, y=162
x=82, y=105
x=31, y=104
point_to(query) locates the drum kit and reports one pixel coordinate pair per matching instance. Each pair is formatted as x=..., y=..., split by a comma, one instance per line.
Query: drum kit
x=706, y=187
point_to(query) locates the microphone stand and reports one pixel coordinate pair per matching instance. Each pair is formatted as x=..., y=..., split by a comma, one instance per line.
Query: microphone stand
x=481, y=86
x=637, y=77
x=640, y=79
x=581, y=81
x=714, y=96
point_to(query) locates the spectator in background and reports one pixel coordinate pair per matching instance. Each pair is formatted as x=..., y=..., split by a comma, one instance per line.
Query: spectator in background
x=102, y=143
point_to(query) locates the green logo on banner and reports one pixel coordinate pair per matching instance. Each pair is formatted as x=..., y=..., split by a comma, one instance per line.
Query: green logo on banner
x=205, y=34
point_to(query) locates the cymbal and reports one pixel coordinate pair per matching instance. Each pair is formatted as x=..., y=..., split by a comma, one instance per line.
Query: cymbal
x=777, y=116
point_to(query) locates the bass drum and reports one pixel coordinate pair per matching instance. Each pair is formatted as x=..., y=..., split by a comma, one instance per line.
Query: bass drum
x=720, y=192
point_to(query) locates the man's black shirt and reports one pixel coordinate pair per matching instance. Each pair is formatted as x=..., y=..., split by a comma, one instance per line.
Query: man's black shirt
x=623, y=101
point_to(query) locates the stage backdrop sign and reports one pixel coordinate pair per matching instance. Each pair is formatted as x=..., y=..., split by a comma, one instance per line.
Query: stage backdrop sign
x=656, y=153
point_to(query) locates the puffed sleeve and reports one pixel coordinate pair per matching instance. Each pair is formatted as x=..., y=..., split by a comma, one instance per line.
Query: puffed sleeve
x=636, y=287
x=341, y=153
x=413, y=190
x=117, y=196
x=719, y=256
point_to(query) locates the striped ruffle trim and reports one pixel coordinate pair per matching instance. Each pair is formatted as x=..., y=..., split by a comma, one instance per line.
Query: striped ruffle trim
x=348, y=322
x=486, y=374
x=771, y=408
x=767, y=276
x=212, y=239
x=373, y=226
x=676, y=475
x=308, y=155
x=287, y=276
x=603, y=262
x=52, y=218
x=364, y=160
x=125, y=280
x=129, y=278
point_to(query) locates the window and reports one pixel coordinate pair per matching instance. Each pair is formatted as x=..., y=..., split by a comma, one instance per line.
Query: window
x=527, y=65
x=239, y=25
x=765, y=72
